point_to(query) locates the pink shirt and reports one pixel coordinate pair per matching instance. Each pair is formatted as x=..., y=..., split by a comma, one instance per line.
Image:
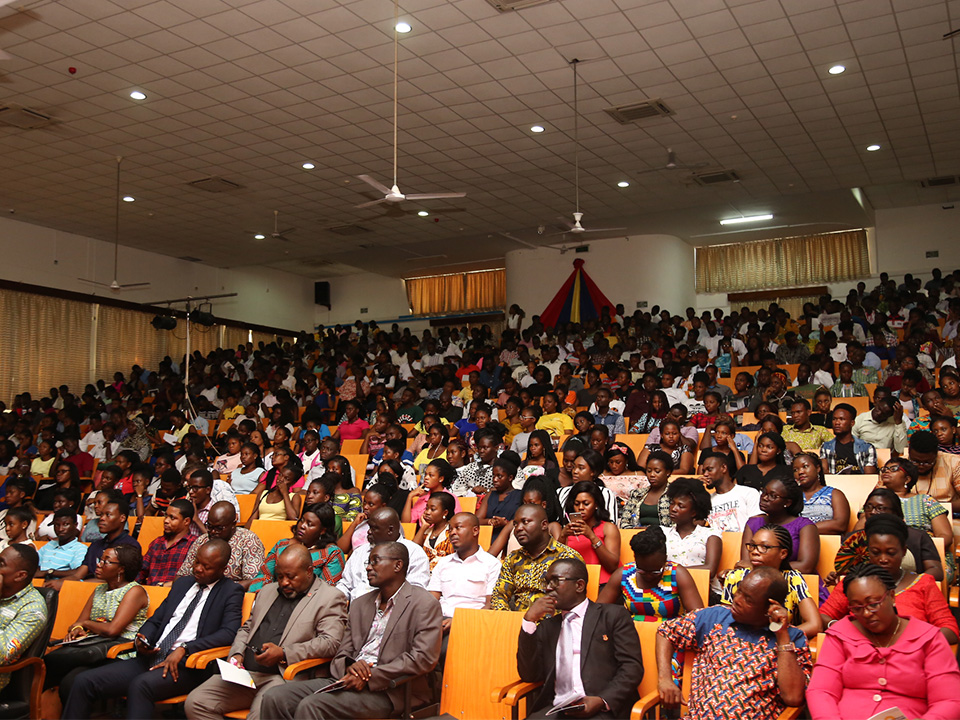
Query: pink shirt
x=420, y=504
x=353, y=430
x=854, y=679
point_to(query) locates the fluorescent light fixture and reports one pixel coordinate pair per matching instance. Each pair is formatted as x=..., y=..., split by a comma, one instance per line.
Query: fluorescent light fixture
x=623, y=183
x=308, y=166
x=403, y=27
x=836, y=69
x=259, y=237
x=128, y=198
x=423, y=213
x=873, y=148
x=137, y=95
x=746, y=219
x=537, y=129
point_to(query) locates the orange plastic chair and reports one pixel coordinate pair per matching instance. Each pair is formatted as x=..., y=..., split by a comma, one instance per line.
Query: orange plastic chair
x=730, y=556
x=150, y=530
x=246, y=503
x=270, y=531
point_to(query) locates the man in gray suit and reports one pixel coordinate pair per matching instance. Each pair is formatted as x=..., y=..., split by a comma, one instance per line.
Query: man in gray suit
x=392, y=632
x=299, y=617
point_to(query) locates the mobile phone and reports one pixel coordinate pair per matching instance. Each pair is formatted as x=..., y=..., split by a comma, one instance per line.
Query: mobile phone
x=255, y=649
x=575, y=516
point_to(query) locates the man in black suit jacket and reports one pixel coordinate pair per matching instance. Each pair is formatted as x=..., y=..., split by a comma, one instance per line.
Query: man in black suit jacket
x=586, y=655
x=202, y=611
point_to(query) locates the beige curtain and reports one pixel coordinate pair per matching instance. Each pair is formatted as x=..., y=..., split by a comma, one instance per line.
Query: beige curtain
x=126, y=338
x=234, y=337
x=265, y=338
x=457, y=292
x=45, y=344
x=783, y=262
x=793, y=304
x=487, y=290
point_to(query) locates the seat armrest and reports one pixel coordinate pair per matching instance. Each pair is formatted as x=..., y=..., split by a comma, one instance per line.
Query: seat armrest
x=39, y=671
x=200, y=660
x=512, y=694
x=644, y=705
x=118, y=650
x=298, y=667
x=402, y=680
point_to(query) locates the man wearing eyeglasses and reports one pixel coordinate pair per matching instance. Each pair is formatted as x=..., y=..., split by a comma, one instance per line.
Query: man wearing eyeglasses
x=939, y=472
x=587, y=655
x=392, y=632
x=246, y=557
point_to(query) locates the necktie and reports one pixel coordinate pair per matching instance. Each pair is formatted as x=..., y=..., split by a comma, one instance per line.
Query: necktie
x=564, y=682
x=171, y=637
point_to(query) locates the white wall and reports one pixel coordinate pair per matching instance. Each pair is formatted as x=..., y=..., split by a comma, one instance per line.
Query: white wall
x=42, y=256
x=384, y=298
x=654, y=268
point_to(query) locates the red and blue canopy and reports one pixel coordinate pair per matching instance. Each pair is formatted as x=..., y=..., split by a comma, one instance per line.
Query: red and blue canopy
x=579, y=300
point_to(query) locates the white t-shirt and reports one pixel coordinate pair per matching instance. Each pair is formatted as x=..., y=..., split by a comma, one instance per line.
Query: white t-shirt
x=731, y=510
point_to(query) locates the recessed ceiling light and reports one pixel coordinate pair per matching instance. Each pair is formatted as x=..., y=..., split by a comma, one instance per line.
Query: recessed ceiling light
x=137, y=95
x=623, y=183
x=872, y=148
x=537, y=129
x=259, y=237
x=423, y=213
x=128, y=198
x=746, y=219
x=403, y=27
x=308, y=166
x=836, y=69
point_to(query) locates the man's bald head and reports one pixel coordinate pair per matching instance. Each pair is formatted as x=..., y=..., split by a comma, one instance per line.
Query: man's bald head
x=222, y=520
x=384, y=525
x=294, y=571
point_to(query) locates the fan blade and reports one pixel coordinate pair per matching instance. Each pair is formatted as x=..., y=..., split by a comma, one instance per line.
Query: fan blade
x=604, y=229
x=371, y=203
x=380, y=187
x=94, y=282
x=566, y=223
x=435, y=196
x=133, y=285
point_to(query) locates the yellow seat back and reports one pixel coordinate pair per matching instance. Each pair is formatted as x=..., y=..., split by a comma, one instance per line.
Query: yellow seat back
x=701, y=578
x=829, y=547
x=593, y=581
x=270, y=531
x=246, y=502
x=156, y=595
x=730, y=555
x=150, y=530
x=73, y=596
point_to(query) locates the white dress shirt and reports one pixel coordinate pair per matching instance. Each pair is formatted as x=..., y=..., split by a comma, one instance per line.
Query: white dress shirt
x=353, y=583
x=464, y=583
x=193, y=624
x=568, y=685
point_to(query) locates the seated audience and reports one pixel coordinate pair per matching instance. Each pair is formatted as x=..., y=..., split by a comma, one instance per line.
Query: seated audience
x=938, y=473
x=205, y=492
x=781, y=503
x=249, y=473
x=921, y=555
x=369, y=657
x=297, y=617
x=588, y=467
x=883, y=426
x=671, y=442
x=384, y=528
x=648, y=504
x=689, y=542
x=744, y=669
x=559, y=623
x=535, y=492
x=802, y=432
x=111, y=616
x=652, y=587
x=165, y=554
x=476, y=478
x=847, y=454
x=60, y=557
x=732, y=505
x=823, y=505
x=377, y=495
x=876, y=658
x=771, y=547
x=521, y=578
x=498, y=506
x=16, y=525
x=113, y=526
x=433, y=533
x=917, y=596
x=275, y=497
x=621, y=474
x=589, y=529
x=24, y=611
x=438, y=476
x=202, y=611
x=245, y=562
x=767, y=461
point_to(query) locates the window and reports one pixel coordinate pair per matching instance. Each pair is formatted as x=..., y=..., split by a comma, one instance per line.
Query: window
x=783, y=262
x=457, y=292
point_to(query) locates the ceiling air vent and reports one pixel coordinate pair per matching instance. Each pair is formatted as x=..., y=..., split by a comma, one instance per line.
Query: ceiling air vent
x=23, y=118
x=635, y=112
x=215, y=184
x=348, y=229
x=941, y=181
x=715, y=177
x=508, y=5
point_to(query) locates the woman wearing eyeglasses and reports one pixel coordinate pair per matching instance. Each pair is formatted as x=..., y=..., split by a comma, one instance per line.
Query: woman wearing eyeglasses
x=782, y=504
x=771, y=546
x=880, y=657
x=917, y=596
x=919, y=510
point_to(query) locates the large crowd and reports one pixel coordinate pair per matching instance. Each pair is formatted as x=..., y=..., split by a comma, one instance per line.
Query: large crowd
x=683, y=470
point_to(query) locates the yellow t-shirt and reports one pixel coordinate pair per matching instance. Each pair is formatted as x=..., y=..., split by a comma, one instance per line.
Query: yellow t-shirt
x=556, y=424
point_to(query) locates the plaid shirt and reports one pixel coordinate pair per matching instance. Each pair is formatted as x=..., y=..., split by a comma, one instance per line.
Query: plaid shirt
x=22, y=619
x=327, y=564
x=865, y=453
x=160, y=564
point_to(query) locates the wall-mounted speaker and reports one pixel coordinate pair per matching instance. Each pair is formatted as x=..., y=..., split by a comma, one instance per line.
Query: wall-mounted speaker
x=321, y=293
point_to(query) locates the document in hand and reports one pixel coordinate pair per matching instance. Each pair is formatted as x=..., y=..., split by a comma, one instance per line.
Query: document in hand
x=235, y=674
x=332, y=687
x=893, y=713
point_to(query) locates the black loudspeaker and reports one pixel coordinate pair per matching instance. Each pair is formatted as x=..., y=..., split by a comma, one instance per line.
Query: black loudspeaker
x=321, y=293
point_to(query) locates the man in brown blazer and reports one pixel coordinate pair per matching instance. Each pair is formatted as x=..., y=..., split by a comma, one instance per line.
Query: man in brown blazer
x=299, y=617
x=392, y=632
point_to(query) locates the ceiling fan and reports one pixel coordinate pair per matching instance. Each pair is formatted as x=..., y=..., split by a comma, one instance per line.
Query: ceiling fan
x=115, y=285
x=5, y=55
x=277, y=233
x=575, y=226
x=672, y=164
x=393, y=194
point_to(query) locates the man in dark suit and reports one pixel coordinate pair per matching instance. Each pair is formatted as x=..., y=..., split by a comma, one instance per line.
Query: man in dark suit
x=586, y=655
x=202, y=611
x=392, y=632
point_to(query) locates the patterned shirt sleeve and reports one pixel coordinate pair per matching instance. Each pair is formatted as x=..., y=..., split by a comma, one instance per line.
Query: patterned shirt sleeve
x=187, y=567
x=18, y=632
x=681, y=631
x=504, y=587
x=253, y=560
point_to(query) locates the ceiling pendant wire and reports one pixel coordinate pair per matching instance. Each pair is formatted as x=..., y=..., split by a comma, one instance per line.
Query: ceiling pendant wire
x=576, y=135
x=116, y=224
x=396, y=55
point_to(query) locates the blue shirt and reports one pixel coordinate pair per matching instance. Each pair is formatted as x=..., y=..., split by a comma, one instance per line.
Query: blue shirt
x=54, y=556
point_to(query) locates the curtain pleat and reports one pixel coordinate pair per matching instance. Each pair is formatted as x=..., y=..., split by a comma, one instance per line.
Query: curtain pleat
x=457, y=292
x=783, y=262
